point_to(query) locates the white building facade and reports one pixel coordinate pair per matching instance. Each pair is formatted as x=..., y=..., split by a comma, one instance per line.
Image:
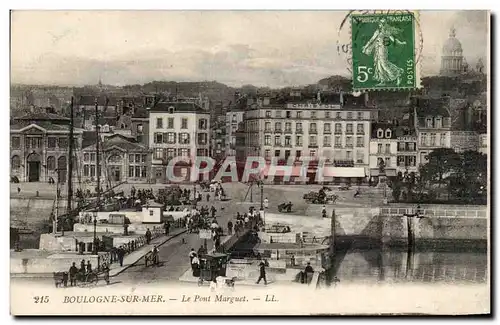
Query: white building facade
x=177, y=129
x=383, y=148
x=233, y=118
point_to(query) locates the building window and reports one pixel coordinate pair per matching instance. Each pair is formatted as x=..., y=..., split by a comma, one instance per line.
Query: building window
x=184, y=123
x=360, y=157
x=288, y=141
x=442, y=139
x=360, y=128
x=202, y=138
x=277, y=140
x=202, y=124
x=277, y=127
x=170, y=122
x=288, y=127
x=380, y=133
x=428, y=122
x=313, y=114
x=51, y=142
x=15, y=162
x=159, y=123
x=139, y=129
x=312, y=153
x=170, y=138
x=348, y=128
x=298, y=127
x=349, y=115
x=433, y=139
x=277, y=153
x=327, y=114
x=423, y=157
x=158, y=137
x=86, y=170
x=387, y=161
x=171, y=152
x=267, y=140
x=158, y=153
x=338, y=142
x=51, y=163
x=360, y=115
x=401, y=146
x=379, y=148
x=412, y=161
x=423, y=139
x=278, y=114
x=185, y=152
x=184, y=138
x=92, y=156
x=388, y=133
x=313, y=140
x=338, y=115
x=388, y=148
x=338, y=128
x=412, y=146
x=200, y=152
x=299, y=114
x=15, y=142
x=267, y=127
x=348, y=155
x=288, y=114
x=401, y=161
x=327, y=141
x=327, y=128
x=360, y=142
x=312, y=128
x=86, y=157
x=439, y=122
x=298, y=154
x=63, y=142
x=348, y=142
x=268, y=113
x=267, y=153
x=298, y=140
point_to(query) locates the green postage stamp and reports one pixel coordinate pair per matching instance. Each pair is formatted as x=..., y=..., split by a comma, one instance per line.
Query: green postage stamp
x=383, y=52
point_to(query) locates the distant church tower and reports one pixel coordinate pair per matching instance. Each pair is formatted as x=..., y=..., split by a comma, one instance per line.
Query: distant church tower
x=452, y=60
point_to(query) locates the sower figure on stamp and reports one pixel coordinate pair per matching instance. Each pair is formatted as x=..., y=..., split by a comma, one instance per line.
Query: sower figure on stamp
x=385, y=71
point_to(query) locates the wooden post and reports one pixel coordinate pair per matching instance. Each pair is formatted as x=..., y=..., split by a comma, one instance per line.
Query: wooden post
x=332, y=233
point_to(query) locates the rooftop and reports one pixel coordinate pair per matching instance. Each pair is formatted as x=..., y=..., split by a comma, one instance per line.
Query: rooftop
x=182, y=107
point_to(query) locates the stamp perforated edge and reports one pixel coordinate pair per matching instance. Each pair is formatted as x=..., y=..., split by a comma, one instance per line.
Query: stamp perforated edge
x=417, y=56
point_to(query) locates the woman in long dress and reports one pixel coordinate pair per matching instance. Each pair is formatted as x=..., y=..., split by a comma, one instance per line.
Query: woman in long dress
x=385, y=71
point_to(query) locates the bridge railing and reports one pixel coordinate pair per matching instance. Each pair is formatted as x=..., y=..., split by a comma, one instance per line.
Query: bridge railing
x=449, y=213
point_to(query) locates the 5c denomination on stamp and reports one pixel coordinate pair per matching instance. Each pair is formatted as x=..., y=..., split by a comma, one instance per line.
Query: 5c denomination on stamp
x=383, y=52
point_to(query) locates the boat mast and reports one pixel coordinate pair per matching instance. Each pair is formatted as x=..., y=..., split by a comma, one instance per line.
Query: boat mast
x=70, y=163
x=98, y=169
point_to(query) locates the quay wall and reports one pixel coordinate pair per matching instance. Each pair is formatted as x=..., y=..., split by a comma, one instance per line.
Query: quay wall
x=49, y=264
x=366, y=226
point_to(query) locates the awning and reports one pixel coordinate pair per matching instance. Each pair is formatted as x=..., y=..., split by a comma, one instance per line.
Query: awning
x=390, y=172
x=344, y=172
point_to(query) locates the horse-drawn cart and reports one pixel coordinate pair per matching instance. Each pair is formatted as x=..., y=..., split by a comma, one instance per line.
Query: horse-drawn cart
x=82, y=279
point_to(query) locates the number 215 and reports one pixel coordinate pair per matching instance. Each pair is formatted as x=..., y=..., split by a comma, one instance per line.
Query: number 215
x=41, y=299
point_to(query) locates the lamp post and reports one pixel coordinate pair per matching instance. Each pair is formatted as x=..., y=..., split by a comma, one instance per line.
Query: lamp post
x=94, y=246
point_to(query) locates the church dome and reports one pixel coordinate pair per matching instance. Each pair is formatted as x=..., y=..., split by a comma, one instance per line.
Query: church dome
x=452, y=46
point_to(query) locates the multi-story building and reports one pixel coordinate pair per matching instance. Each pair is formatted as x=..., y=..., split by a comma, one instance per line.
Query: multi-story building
x=39, y=146
x=121, y=159
x=233, y=118
x=464, y=140
x=433, y=126
x=334, y=126
x=383, y=149
x=407, y=153
x=177, y=129
x=483, y=143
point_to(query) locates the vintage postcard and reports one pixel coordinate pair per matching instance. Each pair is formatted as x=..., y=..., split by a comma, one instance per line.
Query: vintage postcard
x=250, y=162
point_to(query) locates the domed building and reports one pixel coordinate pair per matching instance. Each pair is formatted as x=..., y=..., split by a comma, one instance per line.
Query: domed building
x=452, y=60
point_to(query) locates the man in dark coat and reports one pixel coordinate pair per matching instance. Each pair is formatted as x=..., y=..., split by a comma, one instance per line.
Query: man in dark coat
x=167, y=227
x=89, y=267
x=121, y=254
x=262, y=275
x=73, y=271
x=148, y=236
x=82, y=266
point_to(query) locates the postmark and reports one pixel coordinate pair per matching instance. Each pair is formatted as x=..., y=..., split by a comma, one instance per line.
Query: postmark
x=383, y=52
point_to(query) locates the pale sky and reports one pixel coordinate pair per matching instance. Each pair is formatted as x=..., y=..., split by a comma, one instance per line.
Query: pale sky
x=263, y=48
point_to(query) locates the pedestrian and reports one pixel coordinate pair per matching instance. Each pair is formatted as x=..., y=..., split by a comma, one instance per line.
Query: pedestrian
x=266, y=203
x=262, y=274
x=73, y=271
x=155, y=256
x=167, y=227
x=148, y=236
x=195, y=265
x=230, y=227
x=89, y=267
x=217, y=242
x=208, y=197
x=192, y=254
x=82, y=266
x=323, y=211
x=121, y=255
x=201, y=251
